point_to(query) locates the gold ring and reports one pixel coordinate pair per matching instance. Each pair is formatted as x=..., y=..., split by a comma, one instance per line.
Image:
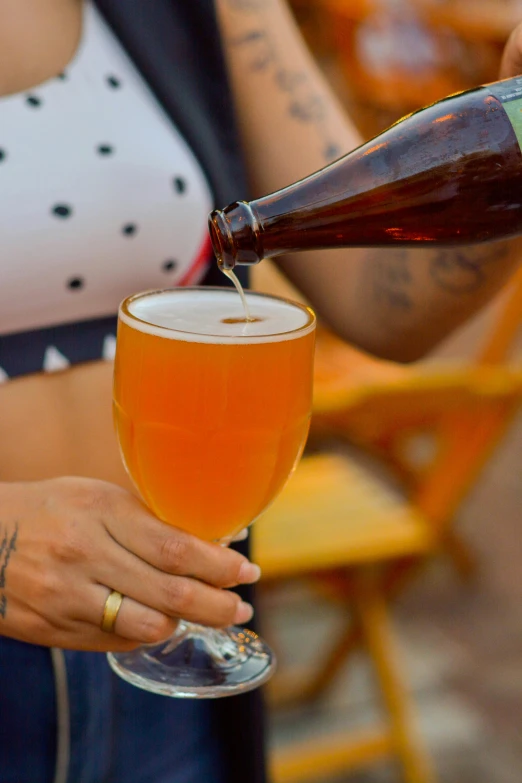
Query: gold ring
x=110, y=611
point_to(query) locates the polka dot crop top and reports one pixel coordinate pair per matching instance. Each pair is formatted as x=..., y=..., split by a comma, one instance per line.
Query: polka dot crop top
x=100, y=197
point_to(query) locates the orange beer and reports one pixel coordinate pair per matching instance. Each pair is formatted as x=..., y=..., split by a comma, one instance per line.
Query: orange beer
x=212, y=413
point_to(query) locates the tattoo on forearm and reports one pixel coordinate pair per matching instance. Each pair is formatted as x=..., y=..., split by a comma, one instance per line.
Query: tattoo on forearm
x=7, y=547
x=305, y=103
x=247, y=5
x=260, y=49
x=457, y=272
x=464, y=271
x=391, y=280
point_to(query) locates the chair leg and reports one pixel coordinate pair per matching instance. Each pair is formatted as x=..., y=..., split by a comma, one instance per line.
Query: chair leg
x=370, y=605
x=306, y=684
x=333, y=663
x=461, y=556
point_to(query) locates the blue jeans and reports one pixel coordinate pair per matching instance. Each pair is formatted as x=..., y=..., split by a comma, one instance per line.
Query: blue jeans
x=118, y=733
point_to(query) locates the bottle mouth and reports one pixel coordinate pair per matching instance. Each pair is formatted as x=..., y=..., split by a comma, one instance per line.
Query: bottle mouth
x=235, y=235
x=221, y=238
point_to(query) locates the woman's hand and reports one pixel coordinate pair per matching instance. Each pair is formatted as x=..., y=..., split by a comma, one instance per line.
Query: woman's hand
x=66, y=543
x=512, y=57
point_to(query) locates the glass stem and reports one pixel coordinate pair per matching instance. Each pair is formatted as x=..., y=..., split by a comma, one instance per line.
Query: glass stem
x=219, y=645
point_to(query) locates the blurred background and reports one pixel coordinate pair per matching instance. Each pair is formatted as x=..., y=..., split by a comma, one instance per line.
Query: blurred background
x=392, y=588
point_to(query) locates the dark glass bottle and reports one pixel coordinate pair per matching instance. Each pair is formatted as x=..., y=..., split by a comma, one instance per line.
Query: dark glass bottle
x=449, y=174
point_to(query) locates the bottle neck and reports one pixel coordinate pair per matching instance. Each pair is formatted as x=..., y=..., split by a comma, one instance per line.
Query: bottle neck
x=235, y=235
x=402, y=188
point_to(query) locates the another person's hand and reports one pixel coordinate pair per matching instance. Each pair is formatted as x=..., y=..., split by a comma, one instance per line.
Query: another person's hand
x=512, y=57
x=66, y=543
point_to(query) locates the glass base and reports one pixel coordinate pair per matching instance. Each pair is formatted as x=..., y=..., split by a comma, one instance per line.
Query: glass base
x=198, y=663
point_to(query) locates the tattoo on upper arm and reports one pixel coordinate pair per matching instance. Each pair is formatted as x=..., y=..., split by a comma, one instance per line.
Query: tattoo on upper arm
x=464, y=271
x=7, y=547
x=305, y=103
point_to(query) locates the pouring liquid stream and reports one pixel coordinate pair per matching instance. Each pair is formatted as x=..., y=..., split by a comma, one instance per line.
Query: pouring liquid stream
x=248, y=317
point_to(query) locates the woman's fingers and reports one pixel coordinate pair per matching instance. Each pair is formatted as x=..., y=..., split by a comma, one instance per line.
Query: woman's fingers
x=174, y=551
x=75, y=540
x=512, y=58
x=172, y=595
x=67, y=629
x=134, y=621
x=141, y=623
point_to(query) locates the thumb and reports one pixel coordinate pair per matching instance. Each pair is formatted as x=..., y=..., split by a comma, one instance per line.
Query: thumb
x=512, y=58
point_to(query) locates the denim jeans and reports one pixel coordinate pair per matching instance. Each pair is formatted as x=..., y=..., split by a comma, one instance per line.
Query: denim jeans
x=117, y=733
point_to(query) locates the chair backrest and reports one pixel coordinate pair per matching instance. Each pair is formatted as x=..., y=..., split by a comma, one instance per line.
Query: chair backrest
x=435, y=427
x=468, y=435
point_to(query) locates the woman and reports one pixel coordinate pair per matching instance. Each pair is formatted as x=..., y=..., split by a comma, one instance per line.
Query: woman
x=116, y=138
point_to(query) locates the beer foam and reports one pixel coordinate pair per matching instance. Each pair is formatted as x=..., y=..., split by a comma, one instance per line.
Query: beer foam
x=197, y=315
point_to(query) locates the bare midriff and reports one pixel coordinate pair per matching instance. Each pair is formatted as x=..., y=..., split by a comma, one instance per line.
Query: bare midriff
x=60, y=424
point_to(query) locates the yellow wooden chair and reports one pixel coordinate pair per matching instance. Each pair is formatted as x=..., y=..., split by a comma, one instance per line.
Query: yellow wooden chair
x=403, y=415
x=339, y=526
x=335, y=526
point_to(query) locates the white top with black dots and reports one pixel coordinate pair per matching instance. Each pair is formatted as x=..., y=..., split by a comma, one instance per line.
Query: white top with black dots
x=100, y=196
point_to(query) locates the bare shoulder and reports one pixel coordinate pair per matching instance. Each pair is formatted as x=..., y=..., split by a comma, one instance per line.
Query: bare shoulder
x=37, y=40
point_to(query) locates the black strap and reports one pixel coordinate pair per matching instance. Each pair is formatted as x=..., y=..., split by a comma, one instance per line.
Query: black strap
x=175, y=44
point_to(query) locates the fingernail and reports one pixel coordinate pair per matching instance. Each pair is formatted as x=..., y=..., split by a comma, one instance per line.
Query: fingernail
x=249, y=573
x=244, y=613
x=242, y=535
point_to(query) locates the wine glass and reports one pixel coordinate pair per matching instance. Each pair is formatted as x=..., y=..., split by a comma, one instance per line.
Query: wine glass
x=212, y=414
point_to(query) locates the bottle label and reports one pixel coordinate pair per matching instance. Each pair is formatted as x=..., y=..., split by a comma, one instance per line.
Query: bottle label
x=509, y=93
